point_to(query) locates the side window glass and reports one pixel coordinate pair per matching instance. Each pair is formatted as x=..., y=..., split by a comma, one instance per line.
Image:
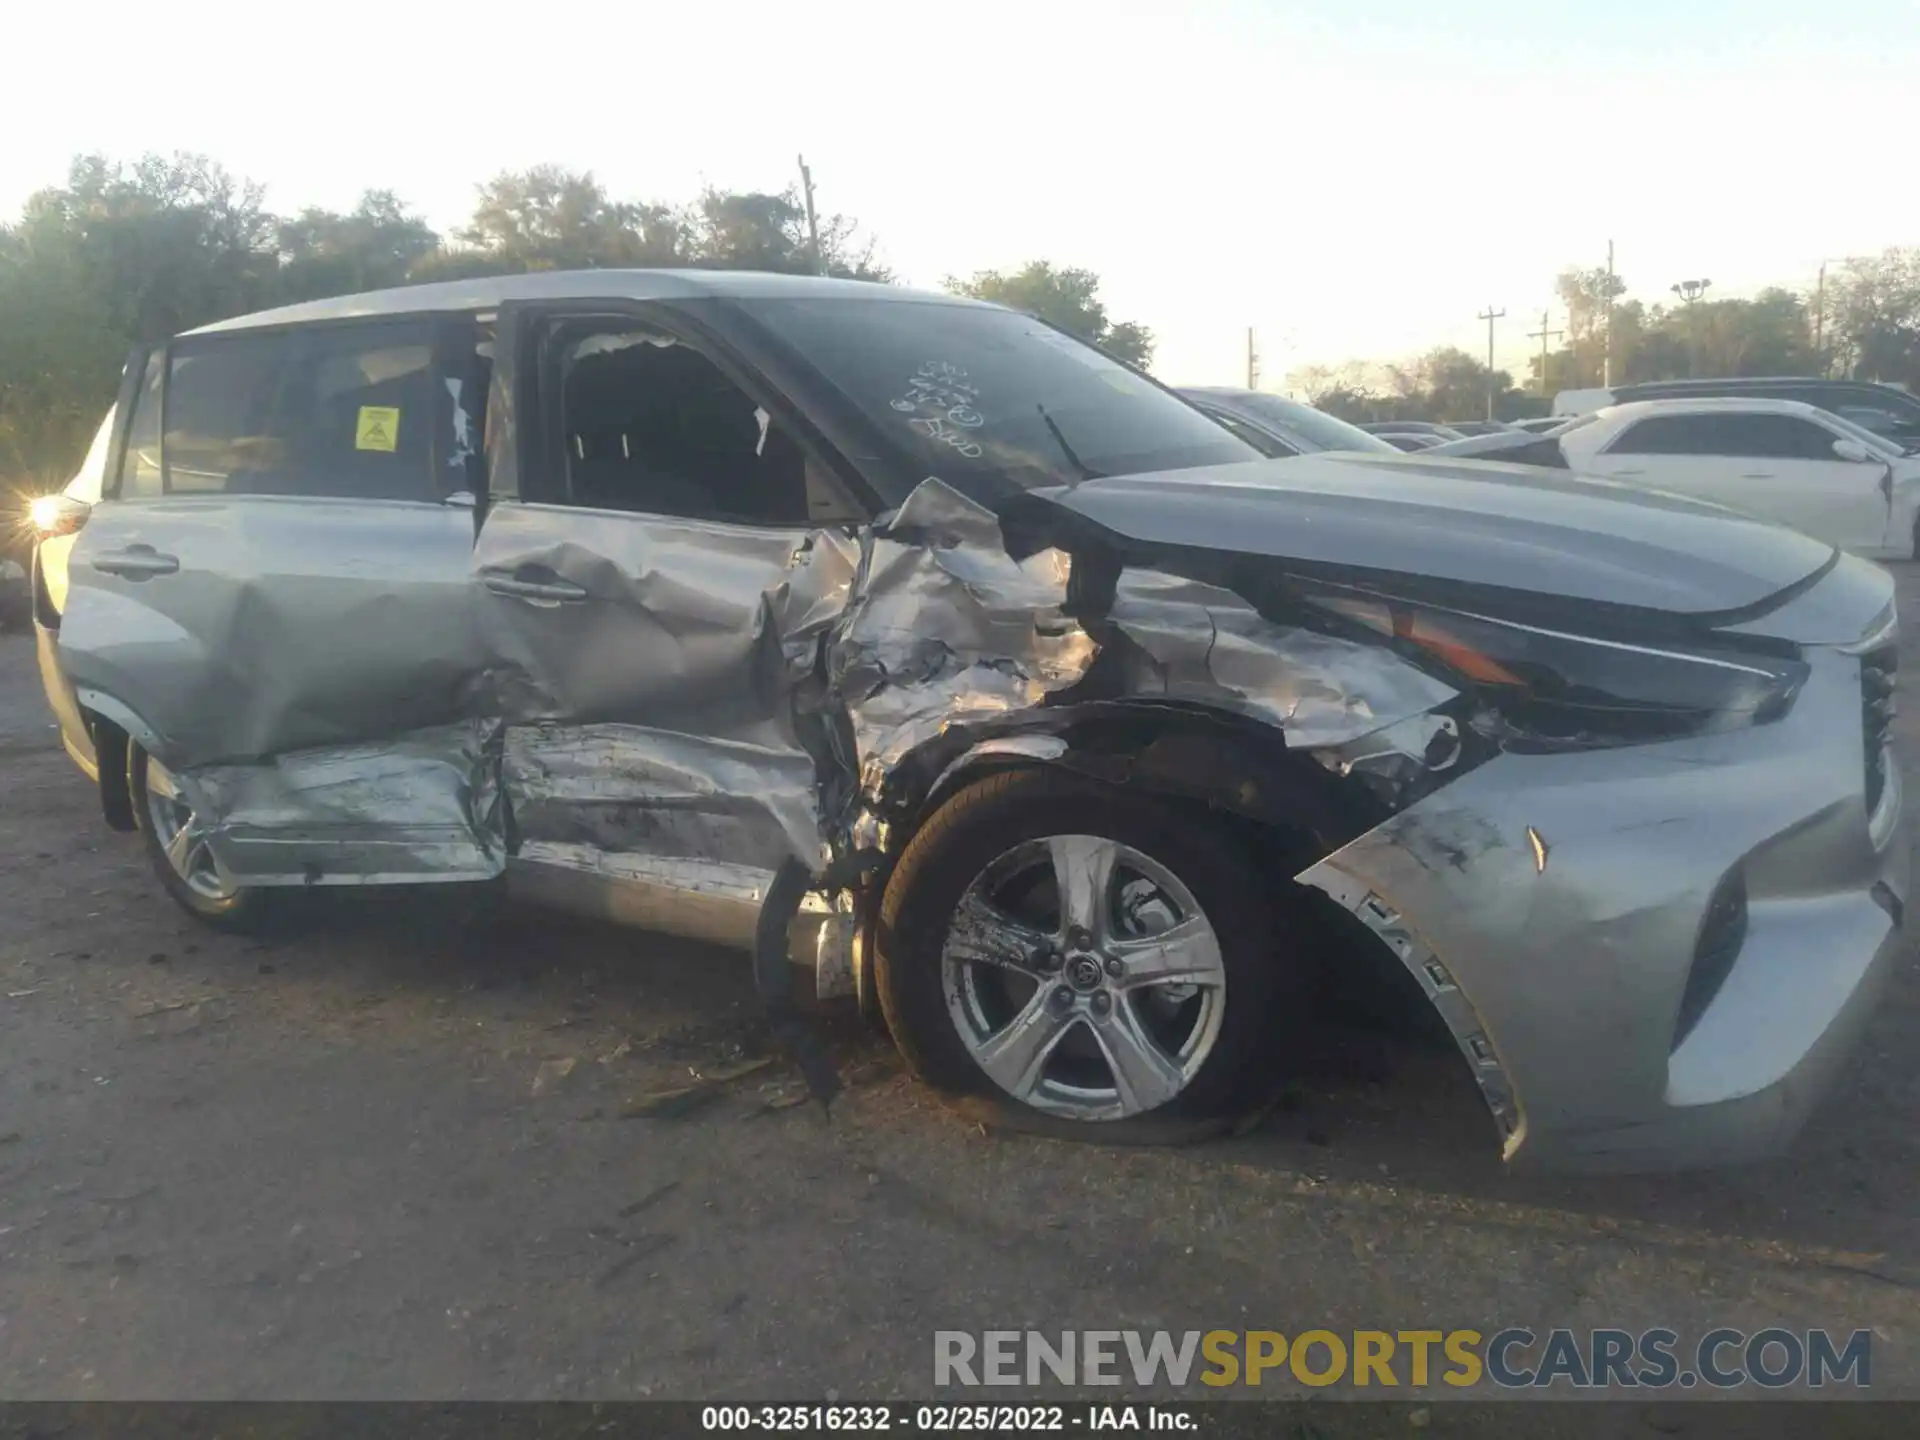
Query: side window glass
x=140, y=466
x=218, y=396
x=646, y=423
x=343, y=411
x=1779, y=437
x=1669, y=435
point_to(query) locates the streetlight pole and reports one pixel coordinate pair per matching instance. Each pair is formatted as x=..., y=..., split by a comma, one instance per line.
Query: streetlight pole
x=1490, y=315
x=1690, y=291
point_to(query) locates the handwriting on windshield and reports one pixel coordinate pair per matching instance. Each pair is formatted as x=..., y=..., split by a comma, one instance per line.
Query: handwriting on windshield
x=942, y=404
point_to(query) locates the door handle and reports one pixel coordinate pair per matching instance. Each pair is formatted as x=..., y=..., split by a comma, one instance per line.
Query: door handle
x=136, y=562
x=545, y=592
x=1756, y=475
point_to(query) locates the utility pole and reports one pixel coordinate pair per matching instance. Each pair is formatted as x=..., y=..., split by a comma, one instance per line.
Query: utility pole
x=1690, y=291
x=1490, y=315
x=1820, y=317
x=813, y=224
x=1606, y=354
x=1253, y=362
x=1543, y=334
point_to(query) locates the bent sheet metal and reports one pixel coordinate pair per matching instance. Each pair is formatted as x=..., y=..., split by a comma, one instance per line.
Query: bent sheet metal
x=730, y=693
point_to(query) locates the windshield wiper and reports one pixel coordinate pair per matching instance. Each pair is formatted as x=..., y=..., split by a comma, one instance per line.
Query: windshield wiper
x=1080, y=466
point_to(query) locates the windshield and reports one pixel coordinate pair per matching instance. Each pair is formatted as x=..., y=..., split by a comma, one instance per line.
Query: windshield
x=1315, y=428
x=988, y=395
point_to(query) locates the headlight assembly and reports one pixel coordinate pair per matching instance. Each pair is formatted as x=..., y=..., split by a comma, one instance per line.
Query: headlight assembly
x=1550, y=690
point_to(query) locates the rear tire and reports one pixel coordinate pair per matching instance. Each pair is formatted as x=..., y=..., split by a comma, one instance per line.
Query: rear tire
x=1087, y=1022
x=185, y=866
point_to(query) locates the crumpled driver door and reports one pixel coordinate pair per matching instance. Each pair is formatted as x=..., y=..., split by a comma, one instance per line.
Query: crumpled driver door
x=652, y=667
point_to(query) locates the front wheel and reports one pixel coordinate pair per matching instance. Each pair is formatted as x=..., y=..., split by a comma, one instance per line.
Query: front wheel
x=181, y=856
x=1088, y=954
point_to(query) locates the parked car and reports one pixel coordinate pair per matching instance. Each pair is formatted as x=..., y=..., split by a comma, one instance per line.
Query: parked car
x=1278, y=427
x=1791, y=463
x=1478, y=427
x=1539, y=424
x=677, y=596
x=1412, y=439
x=1413, y=427
x=1886, y=410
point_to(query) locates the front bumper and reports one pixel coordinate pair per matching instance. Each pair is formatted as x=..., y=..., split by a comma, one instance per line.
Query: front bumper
x=1562, y=966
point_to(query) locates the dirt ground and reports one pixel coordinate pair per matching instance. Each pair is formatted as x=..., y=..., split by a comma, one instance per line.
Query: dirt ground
x=399, y=1157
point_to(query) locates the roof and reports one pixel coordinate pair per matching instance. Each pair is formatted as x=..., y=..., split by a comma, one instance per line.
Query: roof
x=1711, y=405
x=489, y=291
x=1702, y=383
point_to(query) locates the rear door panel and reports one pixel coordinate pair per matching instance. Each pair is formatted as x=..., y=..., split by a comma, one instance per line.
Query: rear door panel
x=305, y=663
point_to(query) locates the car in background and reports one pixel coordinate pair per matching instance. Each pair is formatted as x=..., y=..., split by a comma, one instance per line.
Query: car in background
x=1413, y=427
x=1412, y=440
x=1784, y=461
x=1478, y=427
x=1886, y=410
x=1538, y=424
x=1277, y=426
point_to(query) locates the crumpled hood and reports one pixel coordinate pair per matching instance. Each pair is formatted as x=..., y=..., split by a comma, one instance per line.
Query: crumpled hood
x=1507, y=526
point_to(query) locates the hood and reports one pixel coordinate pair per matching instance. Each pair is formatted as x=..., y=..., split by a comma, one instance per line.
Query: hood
x=1462, y=522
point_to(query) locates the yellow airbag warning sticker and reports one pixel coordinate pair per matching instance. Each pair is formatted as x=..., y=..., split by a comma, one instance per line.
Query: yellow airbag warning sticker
x=378, y=429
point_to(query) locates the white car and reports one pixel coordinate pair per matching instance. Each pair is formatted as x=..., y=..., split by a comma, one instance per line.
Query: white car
x=1778, y=459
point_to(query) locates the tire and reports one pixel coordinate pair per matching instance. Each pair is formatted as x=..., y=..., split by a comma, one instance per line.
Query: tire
x=972, y=1027
x=219, y=905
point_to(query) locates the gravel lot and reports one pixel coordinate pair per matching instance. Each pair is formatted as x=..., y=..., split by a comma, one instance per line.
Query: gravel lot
x=397, y=1157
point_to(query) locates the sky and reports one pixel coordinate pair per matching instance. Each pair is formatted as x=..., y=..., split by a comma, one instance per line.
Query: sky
x=1350, y=178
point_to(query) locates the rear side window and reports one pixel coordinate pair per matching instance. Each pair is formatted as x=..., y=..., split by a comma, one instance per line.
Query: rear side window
x=344, y=411
x=1669, y=435
x=1776, y=437
x=1754, y=437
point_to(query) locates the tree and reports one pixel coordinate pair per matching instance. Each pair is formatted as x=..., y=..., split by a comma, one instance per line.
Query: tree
x=376, y=245
x=1874, y=317
x=1069, y=299
x=60, y=351
x=166, y=243
x=755, y=230
x=1588, y=295
x=549, y=218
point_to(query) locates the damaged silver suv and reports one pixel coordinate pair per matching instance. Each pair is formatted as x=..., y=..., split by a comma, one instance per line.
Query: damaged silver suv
x=1055, y=720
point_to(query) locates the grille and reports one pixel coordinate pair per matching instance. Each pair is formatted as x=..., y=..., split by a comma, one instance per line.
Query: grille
x=1878, y=700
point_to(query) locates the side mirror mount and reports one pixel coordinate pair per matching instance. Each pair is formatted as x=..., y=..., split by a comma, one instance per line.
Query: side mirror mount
x=1854, y=451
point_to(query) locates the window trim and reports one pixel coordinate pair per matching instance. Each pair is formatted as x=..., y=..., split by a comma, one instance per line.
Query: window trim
x=539, y=440
x=132, y=377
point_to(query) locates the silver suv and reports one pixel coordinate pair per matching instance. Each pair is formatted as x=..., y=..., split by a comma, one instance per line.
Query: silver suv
x=1062, y=726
